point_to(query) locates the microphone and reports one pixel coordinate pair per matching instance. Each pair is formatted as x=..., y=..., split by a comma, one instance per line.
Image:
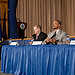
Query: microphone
x=19, y=20
x=53, y=35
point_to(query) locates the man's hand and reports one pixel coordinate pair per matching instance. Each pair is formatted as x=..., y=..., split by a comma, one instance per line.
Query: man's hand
x=47, y=40
x=50, y=40
x=54, y=40
x=30, y=43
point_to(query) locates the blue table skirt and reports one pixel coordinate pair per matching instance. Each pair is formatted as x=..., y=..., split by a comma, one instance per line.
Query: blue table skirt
x=38, y=60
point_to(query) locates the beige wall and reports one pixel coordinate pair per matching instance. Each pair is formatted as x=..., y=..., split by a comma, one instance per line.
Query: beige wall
x=43, y=12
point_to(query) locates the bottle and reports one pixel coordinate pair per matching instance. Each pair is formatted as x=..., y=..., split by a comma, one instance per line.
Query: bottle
x=32, y=39
x=68, y=40
x=10, y=41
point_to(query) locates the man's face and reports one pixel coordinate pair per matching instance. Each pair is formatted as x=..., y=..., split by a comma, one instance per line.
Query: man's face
x=36, y=30
x=56, y=25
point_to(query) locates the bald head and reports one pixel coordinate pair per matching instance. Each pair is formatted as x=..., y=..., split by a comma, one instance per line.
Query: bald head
x=37, y=29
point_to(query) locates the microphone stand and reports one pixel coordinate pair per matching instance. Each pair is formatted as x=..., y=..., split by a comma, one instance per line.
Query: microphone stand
x=22, y=41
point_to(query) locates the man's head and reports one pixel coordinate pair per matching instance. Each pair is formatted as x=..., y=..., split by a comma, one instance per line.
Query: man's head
x=56, y=24
x=37, y=29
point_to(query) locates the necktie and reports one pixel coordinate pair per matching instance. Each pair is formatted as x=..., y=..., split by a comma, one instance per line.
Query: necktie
x=54, y=35
x=37, y=37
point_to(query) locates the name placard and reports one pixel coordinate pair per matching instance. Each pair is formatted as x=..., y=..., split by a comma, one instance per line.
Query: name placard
x=37, y=43
x=14, y=43
x=72, y=42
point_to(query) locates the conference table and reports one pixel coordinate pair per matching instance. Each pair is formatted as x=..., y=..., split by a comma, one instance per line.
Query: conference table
x=38, y=59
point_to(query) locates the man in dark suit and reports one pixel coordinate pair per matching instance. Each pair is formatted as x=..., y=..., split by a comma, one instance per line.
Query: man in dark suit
x=57, y=36
x=38, y=34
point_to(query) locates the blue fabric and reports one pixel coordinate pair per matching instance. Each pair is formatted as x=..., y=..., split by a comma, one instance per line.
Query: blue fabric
x=20, y=42
x=38, y=60
x=72, y=39
x=12, y=19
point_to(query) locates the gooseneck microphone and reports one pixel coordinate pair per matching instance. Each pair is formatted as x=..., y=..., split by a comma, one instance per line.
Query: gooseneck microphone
x=19, y=20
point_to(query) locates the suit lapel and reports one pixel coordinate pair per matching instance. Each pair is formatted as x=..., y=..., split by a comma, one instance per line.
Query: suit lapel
x=35, y=37
x=39, y=36
x=58, y=34
x=52, y=33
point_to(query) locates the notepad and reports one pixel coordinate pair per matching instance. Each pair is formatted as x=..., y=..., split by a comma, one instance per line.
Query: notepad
x=14, y=43
x=37, y=43
x=72, y=42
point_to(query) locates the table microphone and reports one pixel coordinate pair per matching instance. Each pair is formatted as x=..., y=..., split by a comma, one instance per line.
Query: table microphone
x=22, y=40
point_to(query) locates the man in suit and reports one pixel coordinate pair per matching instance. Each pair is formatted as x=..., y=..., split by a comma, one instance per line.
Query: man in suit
x=57, y=36
x=38, y=34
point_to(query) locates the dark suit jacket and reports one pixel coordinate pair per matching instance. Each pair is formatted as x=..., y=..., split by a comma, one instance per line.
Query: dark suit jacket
x=42, y=36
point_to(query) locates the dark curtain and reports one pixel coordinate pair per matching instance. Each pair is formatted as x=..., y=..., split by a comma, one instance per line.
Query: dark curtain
x=1, y=36
x=4, y=26
x=12, y=19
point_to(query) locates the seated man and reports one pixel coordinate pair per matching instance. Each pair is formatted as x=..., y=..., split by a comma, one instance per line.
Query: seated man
x=38, y=34
x=57, y=36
